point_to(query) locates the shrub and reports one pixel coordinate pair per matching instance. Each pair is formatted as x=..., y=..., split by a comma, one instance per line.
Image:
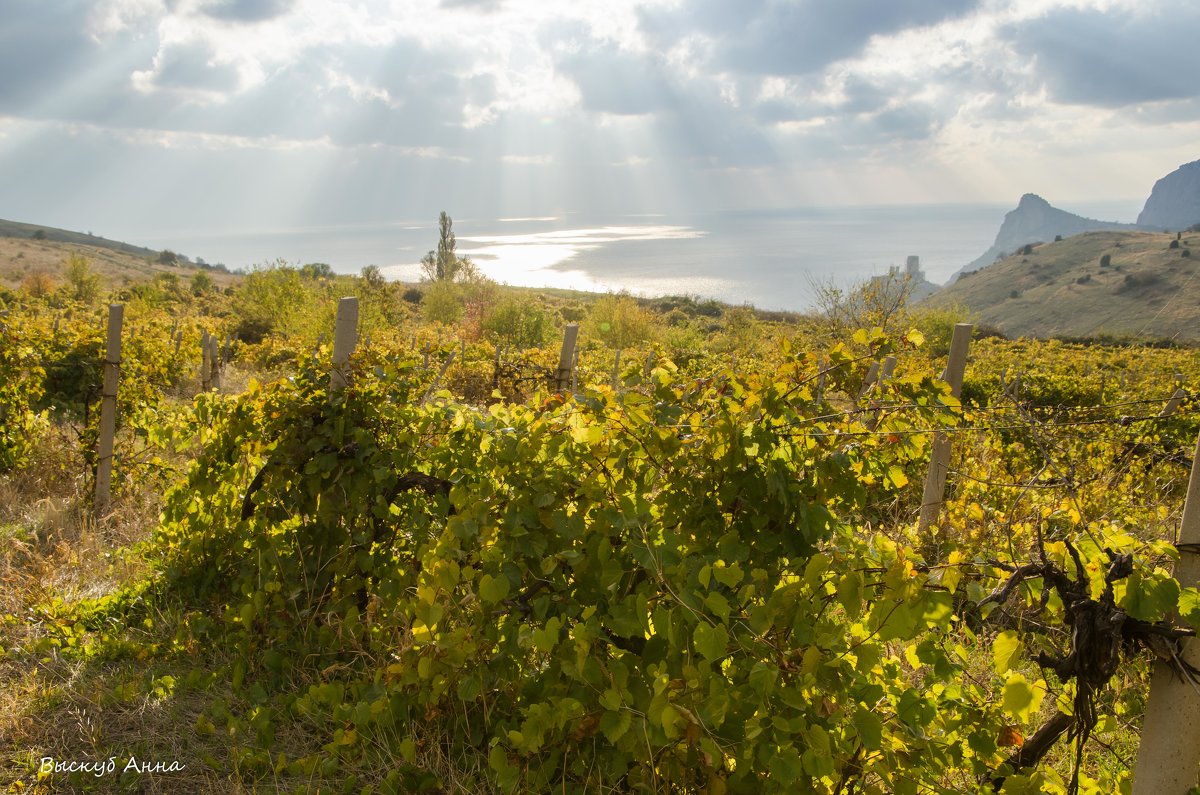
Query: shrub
x=621, y=322
x=39, y=234
x=1014, y=293
x=443, y=303
x=83, y=285
x=517, y=322
x=1105, y=260
x=1174, y=244
x=413, y=296
x=38, y=285
x=202, y=283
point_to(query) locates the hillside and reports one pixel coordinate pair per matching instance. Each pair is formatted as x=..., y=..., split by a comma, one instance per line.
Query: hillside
x=1174, y=202
x=16, y=229
x=1032, y=221
x=1146, y=289
x=22, y=257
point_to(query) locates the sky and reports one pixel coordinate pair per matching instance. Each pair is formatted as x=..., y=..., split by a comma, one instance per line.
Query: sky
x=132, y=117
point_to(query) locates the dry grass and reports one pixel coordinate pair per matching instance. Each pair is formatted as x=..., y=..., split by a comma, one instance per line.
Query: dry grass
x=22, y=258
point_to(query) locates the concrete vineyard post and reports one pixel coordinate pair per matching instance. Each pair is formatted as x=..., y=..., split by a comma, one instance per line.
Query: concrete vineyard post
x=869, y=381
x=214, y=358
x=566, y=358
x=1169, y=753
x=438, y=379
x=205, y=362
x=345, y=337
x=1173, y=404
x=889, y=367
x=939, y=459
x=108, y=410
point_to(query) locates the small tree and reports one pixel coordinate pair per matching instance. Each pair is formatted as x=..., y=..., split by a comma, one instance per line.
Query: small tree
x=372, y=277
x=621, y=322
x=168, y=257
x=442, y=303
x=39, y=234
x=445, y=264
x=521, y=323
x=317, y=270
x=879, y=302
x=83, y=285
x=201, y=283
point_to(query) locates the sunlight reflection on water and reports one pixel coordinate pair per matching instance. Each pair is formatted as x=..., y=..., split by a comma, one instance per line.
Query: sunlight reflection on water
x=541, y=259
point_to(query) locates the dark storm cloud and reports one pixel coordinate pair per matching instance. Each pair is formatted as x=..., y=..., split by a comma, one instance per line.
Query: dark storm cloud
x=247, y=10
x=1114, y=58
x=793, y=38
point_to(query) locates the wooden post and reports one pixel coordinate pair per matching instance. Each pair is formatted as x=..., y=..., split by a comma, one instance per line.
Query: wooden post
x=462, y=349
x=616, y=379
x=345, y=337
x=425, y=363
x=108, y=410
x=939, y=459
x=566, y=358
x=1173, y=404
x=649, y=368
x=178, y=340
x=1169, y=752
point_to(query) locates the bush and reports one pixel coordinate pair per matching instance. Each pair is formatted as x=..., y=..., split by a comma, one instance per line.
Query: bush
x=83, y=285
x=1105, y=260
x=413, y=296
x=517, y=322
x=1174, y=244
x=443, y=303
x=620, y=322
x=271, y=299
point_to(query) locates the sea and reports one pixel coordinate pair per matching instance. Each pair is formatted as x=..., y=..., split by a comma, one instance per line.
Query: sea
x=771, y=259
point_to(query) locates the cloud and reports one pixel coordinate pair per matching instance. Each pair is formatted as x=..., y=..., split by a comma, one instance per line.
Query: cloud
x=246, y=10
x=775, y=37
x=190, y=66
x=41, y=45
x=1113, y=58
x=620, y=82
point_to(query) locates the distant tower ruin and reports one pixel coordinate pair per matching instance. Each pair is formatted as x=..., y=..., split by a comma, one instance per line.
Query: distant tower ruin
x=913, y=268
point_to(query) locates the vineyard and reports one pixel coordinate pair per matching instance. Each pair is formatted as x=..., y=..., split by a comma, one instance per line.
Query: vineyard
x=536, y=543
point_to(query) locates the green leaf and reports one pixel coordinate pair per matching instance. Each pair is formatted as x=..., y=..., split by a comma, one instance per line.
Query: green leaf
x=1022, y=699
x=869, y=728
x=492, y=589
x=710, y=641
x=1006, y=651
x=1189, y=607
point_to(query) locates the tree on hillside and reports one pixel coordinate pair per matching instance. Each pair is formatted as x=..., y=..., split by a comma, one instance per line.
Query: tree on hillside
x=444, y=265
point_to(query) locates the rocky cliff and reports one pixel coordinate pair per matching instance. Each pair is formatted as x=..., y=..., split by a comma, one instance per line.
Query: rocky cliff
x=1035, y=220
x=1174, y=202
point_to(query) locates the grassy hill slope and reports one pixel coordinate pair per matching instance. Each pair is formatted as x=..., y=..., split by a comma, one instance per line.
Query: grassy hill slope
x=27, y=231
x=22, y=257
x=1144, y=288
